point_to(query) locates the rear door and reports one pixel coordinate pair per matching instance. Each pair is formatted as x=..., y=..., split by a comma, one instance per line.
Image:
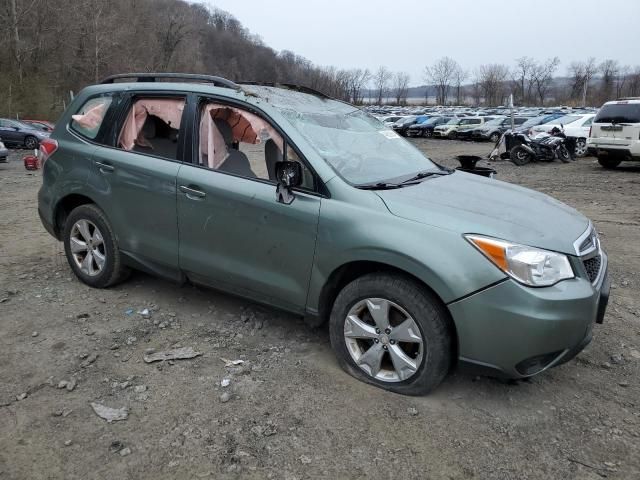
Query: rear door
x=138, y=182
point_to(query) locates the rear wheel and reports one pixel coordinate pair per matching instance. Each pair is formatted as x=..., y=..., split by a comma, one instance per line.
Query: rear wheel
x=581, y=147
x=520, y=156
x=31, y=143
x=91, y=248
x=389, y=331
x=609, y=162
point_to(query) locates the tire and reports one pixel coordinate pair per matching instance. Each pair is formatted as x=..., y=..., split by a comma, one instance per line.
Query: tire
x=90, y=272
x=563, y=154
x=609, y=162
x=31, y=143
x=452, y=135
x=430, y=360
x=428, y=133
x=520, y=156
x=581, y=148
x=494, y=137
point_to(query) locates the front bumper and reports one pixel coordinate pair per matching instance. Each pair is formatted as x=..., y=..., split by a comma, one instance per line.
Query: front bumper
x=441, y=133
x=515, y=331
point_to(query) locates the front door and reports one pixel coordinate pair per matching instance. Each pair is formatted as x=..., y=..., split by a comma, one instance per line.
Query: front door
x=235, y=236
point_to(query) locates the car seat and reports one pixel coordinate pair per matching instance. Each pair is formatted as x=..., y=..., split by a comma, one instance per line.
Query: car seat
x=236, y=161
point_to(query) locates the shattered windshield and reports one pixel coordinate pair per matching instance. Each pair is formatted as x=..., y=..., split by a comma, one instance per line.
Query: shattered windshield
x=358, y=147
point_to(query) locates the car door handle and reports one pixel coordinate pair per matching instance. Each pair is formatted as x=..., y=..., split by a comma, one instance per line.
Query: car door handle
x=104, y=167
x=192, y=193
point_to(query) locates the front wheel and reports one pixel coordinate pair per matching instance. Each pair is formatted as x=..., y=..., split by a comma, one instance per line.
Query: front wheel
x=91, y=248
x=390, y=331
x=495, y=136
x=520, y=156
x=452, y=135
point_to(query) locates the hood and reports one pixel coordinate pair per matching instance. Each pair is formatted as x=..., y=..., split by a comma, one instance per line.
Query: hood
x=468, y=203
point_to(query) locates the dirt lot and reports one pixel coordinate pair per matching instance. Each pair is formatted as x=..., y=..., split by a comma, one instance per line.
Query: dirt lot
x=291, y=412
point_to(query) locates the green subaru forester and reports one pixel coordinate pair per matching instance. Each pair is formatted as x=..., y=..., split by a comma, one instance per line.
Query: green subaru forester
x=282, y=195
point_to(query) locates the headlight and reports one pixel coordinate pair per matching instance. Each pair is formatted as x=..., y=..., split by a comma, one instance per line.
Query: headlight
x=528, y=265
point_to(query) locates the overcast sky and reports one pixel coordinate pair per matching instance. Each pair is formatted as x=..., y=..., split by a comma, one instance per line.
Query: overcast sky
x=406, y=35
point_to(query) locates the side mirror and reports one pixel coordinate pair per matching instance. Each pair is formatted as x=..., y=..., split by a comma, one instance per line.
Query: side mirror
x=288, y=176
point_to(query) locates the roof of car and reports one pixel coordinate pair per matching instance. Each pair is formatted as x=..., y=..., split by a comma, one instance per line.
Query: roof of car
x=280, y=95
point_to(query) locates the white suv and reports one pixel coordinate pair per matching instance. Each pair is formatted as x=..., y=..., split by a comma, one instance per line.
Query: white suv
x=615, y=133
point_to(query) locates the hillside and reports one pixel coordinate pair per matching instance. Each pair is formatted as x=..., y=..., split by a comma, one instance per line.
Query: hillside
x=58, y=47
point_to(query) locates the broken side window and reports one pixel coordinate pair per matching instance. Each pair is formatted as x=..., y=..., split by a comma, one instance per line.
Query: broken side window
x=152, y=127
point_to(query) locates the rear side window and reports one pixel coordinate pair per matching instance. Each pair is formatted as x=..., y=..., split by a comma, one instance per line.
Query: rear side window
x=152, y=126
x=88, y=119
x=619, y=113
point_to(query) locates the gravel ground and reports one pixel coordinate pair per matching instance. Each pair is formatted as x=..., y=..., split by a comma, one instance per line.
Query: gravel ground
x=289, y=412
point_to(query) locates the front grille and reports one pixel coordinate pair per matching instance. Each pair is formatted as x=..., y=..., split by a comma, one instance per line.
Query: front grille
x=592, y=266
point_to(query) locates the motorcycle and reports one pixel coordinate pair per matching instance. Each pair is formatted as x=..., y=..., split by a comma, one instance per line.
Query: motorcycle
x=545, y=149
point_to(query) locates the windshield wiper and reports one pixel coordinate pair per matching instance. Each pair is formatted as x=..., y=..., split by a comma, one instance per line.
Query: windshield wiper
x=421, y=175
x=384, y=185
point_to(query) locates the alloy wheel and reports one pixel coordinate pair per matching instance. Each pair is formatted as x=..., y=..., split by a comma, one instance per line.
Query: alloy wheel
x=87, y=247
x=383, y=340
x=31, y=143
x=581, y=148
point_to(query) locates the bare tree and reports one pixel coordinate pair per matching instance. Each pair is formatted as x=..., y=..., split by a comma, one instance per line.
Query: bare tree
x=355, y=80
x=401, y=87
x=441, y=75
x=633, y=85
x=621, y=80
x=492, y=80
x=459, y=76
x=381, y=79
x=543, y=77
x=609, y=70
x=522, y=75
x=581, y=75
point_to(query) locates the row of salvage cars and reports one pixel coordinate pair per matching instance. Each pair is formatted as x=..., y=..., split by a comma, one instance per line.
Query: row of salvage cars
x=490, y=128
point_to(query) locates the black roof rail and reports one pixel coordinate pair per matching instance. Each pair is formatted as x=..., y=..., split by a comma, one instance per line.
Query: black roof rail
x=290, y=86
x=627, y=98
x=152, y=77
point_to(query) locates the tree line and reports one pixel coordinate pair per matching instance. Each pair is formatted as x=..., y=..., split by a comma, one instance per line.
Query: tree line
x=533, y=82
x=52, y=48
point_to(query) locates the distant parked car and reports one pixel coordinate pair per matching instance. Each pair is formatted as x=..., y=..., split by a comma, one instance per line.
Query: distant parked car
x=561, y=122
x=615, y=133
x=450, y=129
x=402, y=125
x=43, y=125
x=425, y=129
x=18, y=134
x=494, y=129
x=389, y=120
x=537, y=120
x=4, y=153
x=580, y=131
x=465, y=132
